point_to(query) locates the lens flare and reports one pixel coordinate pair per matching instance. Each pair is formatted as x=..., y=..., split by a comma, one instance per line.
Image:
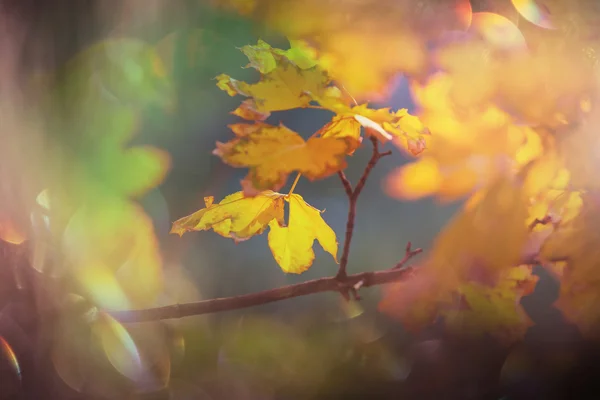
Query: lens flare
x=535, y=12
x=464, y=13
x=119, y=347
x=10, y=355
x=9, y=232
x=498, y=31
x=102, y=286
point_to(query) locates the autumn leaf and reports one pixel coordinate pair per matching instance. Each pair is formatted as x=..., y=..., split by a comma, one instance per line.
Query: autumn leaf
x=470, y=148
x=356, y=47
x=472, y=257
x=273, y=152
x=381, y=123
x=236, y=216
x=416, y=180
x=471, y=245
x=495, y=310
x=291, y=79
x=283, y=84
x=576, y=241
x=291, y=245
x=468, y=307
x=240, y=217
x=265, y=58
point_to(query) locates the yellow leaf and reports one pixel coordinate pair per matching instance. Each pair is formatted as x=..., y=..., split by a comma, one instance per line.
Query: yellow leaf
x=236, y=216
x=363, y=46
x=291, y=245
x=285, y=87
x=367, y=66
x=247, y=111
x=373, y=128
x=493, y=310
x=483, y=240
x=415, y=180
x=273, y=152
x=342, y=126
x=382, y=123
x=265, y=58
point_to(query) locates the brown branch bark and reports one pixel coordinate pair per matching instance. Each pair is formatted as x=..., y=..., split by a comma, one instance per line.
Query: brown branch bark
x=330, y=284
x=408, y=254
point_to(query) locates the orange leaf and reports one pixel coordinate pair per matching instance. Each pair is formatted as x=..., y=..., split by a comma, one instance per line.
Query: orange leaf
x=273, y=152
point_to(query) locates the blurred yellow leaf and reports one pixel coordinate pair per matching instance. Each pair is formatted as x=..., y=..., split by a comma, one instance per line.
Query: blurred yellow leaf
x=415, y=180
x=292, y=244
x=363, y=46
x=479, y=242
x=469, y=278
x=495, y=310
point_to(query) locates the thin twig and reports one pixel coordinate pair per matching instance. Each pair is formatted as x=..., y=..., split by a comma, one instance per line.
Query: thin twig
x=375, y=157
x=544, y=221
x=408, y=254
x=352, y=199
x=341, y=274
x=329, y=284
x=346, y=183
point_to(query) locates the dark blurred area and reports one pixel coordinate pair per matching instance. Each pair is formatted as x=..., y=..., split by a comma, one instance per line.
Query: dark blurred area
x=371, y=357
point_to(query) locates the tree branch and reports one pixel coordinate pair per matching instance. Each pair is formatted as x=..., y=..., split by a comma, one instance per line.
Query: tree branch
x=352, y=199
x=408, y=254
x=329, y=284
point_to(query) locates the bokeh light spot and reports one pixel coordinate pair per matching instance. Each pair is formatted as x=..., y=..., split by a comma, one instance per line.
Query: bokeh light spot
x=498, y=31
x=535, y=12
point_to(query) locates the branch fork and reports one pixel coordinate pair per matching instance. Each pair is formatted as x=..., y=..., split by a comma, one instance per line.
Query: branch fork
x=353, y=194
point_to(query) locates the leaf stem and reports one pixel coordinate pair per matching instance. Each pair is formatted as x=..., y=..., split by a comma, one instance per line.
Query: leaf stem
x=294, y=184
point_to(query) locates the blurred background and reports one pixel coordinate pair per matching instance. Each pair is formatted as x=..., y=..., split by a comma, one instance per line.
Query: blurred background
x=312, y=347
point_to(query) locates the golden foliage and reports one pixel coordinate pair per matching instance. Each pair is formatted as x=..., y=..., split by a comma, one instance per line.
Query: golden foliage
x=241, y=217
x=273, y=152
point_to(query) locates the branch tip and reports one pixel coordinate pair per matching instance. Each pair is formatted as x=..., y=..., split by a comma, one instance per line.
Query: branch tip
x=409, y=253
